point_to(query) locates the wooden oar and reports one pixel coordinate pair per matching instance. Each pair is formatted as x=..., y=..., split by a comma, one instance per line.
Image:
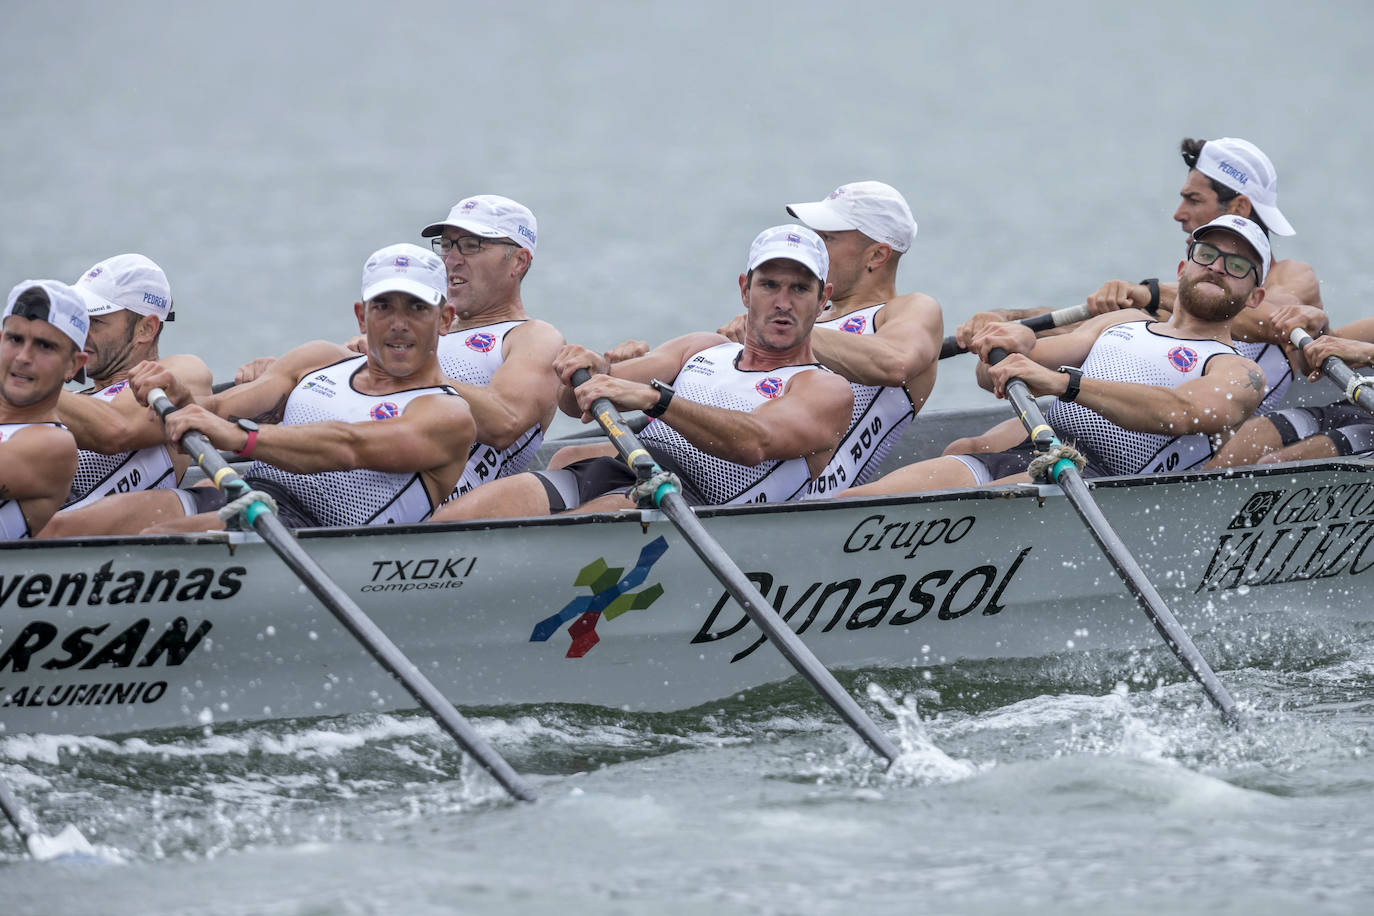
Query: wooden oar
x=1359, y=389
x=668, y=499
x=1037, y=323
x=271, y=530
x=1065, y=474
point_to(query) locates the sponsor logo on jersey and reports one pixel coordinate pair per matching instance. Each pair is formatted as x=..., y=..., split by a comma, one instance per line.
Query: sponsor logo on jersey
x=385, y=411
x=854, y=324
x=482, y=342
x=770, y=387
x=1183, y=358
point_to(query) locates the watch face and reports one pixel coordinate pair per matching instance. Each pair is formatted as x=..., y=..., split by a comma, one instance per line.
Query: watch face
x=246, y=425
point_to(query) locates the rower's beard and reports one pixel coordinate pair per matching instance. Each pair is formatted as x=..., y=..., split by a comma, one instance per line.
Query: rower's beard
x=1208, y=306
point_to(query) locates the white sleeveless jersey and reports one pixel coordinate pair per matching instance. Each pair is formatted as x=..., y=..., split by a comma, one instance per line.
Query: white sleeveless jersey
x=100, y=475
x=711, y=377
x=1278, y=374
x=358, y=497
x=13, y=525
x=472, y=357
x=880, y=416
x=1131, y=352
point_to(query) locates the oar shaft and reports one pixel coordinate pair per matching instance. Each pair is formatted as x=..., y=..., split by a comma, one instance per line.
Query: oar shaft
x=738, y=585
x=18, y=815
x=376, y=642
x=1116, y=552
x=1037, y=323
x=1359, y=389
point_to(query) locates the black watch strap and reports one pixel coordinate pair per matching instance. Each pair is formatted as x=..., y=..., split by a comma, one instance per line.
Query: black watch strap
x=665, y=395
x=1075, y=382
x=1152, y=284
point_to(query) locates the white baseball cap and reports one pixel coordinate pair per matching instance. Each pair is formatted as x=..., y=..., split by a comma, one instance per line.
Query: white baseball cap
x=490, y=216
x=875, y=209
x=126, y=281
x=66, y=310
x=1243, y=167
x=405, y=268
x=793, y=242
x=1247, y=230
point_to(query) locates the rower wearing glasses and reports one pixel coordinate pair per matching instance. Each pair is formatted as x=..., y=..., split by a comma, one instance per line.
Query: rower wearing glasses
x=42, y=340
x=498, y=357
x=1225, y=176
x=736, y=422
x=1136, y=395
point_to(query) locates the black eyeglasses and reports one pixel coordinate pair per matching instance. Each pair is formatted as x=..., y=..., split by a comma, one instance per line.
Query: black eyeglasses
x=1235, y=265
x=467, y=245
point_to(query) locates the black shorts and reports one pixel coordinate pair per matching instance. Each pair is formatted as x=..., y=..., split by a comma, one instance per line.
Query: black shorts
x=990, y=466
x=1350, y=428
x=585, y=480
x=196, y=500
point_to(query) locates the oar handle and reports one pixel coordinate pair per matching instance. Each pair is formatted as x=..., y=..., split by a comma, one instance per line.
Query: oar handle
x=206, y=456
x=1359, y=389
x=619, y=432
x=1037, y=323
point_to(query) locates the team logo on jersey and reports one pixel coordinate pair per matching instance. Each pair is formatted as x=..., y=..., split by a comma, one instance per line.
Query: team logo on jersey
x=854, y=324
x=385, y=411
x=1183, y=359
x=770, y=387
x=117, y=387
x=482, y=342
x=402, y=260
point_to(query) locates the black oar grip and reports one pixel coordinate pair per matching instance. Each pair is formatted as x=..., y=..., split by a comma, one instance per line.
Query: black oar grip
x=619, y=432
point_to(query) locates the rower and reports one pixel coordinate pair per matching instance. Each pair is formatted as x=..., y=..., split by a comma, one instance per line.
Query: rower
x=495, y=355
x=122, y=447
x=336, y=438
x=886, y=345
x=1225, y=176
x=1149, y=395
x=738, y=422
x=42, y=341
x=1333, y=430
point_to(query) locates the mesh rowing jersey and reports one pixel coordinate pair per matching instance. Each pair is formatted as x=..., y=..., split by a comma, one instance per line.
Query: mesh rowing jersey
x=712, y=377
x=361, y=496
x=1131, y=352
x=13, y=525
x=880, y=416
x=1278, y=374
x=472, y=356
x=100, y=475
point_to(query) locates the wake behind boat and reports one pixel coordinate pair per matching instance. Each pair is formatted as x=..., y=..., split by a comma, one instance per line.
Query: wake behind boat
x=113, y=635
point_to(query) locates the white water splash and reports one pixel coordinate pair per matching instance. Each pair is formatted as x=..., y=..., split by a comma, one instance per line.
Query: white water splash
x=919, y=760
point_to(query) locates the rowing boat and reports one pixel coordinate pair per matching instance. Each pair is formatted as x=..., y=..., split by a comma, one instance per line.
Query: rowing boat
x=114, y=635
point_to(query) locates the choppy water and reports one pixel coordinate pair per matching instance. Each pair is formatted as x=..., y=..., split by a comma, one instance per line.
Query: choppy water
x=260, y=151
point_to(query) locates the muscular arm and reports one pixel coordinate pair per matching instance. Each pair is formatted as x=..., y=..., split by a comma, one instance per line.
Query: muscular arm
x=1069, y=349
x=906, y=342
x=663, y=362
x=1226, y=394
x=37, y=465
x=808, y=419
x=122, y=424
x=522, y=392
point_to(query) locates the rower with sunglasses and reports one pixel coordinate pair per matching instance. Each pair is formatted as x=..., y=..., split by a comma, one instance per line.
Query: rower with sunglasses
x=1136, y=395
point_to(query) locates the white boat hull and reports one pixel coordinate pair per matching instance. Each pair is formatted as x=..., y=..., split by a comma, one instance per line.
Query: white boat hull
x=113, y=635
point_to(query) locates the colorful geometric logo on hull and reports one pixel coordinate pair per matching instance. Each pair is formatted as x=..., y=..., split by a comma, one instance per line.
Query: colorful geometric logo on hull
x=611, y=597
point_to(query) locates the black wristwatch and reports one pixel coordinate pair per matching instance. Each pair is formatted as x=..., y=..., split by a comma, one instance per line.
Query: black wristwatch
x=665, y=395
x=1075, y=380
